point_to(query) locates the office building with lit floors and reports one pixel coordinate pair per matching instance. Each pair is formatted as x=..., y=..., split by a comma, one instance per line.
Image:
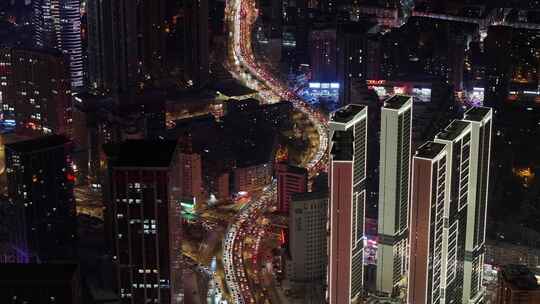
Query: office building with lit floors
x=394, y=193
x=348, y=152
x=428, y=199
x=352, y=44
x=190, y=176
x=146, y=221
x=457, y=277
x=322, y=38
x=126, y=44
x=196, y=52
x=480, y=119
x=291, y=180
x=35, y=91
x=40, y=181
x=307, y=244
x=457, y=139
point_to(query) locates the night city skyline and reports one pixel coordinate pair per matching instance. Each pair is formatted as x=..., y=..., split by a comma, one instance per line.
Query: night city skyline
x=270, y=151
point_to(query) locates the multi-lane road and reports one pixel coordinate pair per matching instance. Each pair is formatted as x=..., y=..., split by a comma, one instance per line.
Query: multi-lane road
x=240, y=16
x=241, y=287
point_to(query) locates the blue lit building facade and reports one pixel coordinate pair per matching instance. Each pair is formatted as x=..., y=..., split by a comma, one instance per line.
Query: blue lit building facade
x=57, y=24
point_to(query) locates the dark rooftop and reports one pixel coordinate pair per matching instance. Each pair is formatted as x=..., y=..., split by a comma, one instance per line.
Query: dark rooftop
x=520, y=276
x=342, y=149
x=232, y=88
x=476, y=113
x=150, y=101
x=291, y=169
x=21, y=273
x=396, y=102
x=199, y=119
x=454, y=130
x=260, y=156
x=309, y=196
x=244, y=138
x=189, y=95
x=320, y=182
x=346, y=113
x=38, y=144
x=89, y=102
x=38, y=51
x=143, y=153
x=361, y=27
x=429, y=150
x=323, y=23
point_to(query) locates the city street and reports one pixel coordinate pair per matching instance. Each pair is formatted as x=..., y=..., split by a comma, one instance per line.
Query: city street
x=244, y=288
x=89, y=202
x=269, y=152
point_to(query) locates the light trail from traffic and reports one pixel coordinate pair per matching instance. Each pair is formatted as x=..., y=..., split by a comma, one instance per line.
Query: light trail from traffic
x=233, y=247
x=241, y=16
